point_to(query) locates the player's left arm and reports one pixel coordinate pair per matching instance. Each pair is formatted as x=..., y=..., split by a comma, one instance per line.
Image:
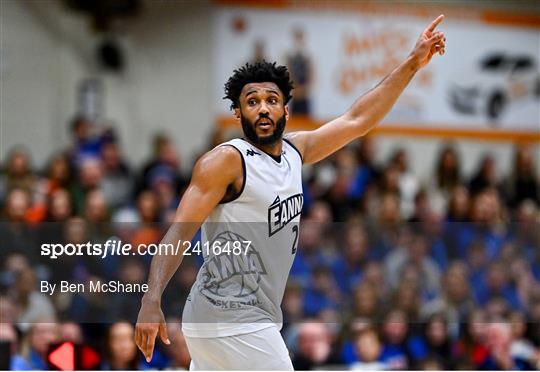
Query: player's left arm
x=370, y=108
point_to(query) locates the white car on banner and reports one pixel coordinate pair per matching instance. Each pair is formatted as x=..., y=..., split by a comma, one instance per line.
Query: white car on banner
x=499, y=80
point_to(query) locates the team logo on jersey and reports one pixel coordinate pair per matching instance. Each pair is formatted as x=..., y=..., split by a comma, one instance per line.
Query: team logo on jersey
x=281, y=212
x=232, y=276
x=250, y=152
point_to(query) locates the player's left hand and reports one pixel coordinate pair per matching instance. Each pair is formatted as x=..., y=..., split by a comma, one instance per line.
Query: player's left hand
x=429, y=43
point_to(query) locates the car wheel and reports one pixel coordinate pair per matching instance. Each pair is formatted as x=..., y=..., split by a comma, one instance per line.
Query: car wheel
x=495, y=106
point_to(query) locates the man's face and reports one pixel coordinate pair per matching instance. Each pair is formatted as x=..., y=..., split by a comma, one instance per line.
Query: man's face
x=262, y=113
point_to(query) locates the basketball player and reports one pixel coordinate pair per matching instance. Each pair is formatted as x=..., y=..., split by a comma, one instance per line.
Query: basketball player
x=249, y=191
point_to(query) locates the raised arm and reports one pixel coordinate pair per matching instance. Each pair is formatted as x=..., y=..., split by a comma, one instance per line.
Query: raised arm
x=213, y=175
x=370, y=108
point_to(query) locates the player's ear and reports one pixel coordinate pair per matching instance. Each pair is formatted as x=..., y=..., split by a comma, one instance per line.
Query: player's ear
x=237, y=113
x=287, y=112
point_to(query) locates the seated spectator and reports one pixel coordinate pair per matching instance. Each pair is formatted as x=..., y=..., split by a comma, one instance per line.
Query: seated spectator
x=499, y=343
x=521, y=348
x=455, y=301
x=31, y=304
x=97, y=214
x=292, y=304
x=432, y=343
x=18, y=173
x=458, y=205
x=471, y=347
x=447, y=176
x=522, y=183
x=314, y=346
x=406, y=298
x=407, y=182
x=35, y=346
x=485, y=177
x=395, y=328
x=366, y=304
x=16, y=233
x=497, y=283
x=59, y=174
x=59, y=207
x=124, y=305
x=415, y=257
x=322, y=294
x=72, y=332
x=120, y=349
x=118, y=180
x=309, y=254
x=164, y=156
x=85, y=141
x=147, y=230
x=90, y=177
x=9, y=336
x=367, y=171
x=368, y=347
x=348, y=267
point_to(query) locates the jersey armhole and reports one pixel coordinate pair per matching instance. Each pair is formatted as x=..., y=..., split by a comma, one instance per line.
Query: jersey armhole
x=243, y=172
x=295, y=149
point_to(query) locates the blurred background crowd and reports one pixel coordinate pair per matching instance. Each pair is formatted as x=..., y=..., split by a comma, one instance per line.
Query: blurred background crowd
x=415, y=252
x=392, y=272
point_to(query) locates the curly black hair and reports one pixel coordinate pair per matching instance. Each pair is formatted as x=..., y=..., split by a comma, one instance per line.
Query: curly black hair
x=258, y=72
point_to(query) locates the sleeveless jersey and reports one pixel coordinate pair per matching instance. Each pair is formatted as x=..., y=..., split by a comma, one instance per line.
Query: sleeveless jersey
x=248, y=245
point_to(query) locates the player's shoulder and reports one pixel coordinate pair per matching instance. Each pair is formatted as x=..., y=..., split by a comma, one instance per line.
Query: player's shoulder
x=222, y=160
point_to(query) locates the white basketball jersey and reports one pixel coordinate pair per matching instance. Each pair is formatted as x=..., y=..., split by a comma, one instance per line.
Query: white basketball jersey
x=241, y=291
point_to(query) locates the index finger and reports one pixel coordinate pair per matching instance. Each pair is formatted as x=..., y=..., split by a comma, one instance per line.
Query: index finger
x=434, y=24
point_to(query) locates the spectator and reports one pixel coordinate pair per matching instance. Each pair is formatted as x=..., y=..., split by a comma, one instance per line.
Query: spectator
x=165, y=156
x=485, y=177
x=124, y=306
x=322, y=294
x=35, y=346
x=433, y=343
x=348, y=267
x=471, y=347
x=292, y=304
x=499, y=342
x=368, y=347
x=90, y=178
x=72, y=332
x=497, y=284
x=8, y=335
x=408, y=184
x=120, y=350
x=18, y=173
x=447, y=176
x=522, y=349
x=85, y=141
x=314, y=346
x=16, y=234
x=118, y=179
x=309, y=254
x=414, y=256
x=395, y=330
x=455, y=302
x=522, y=183
x=31, y=304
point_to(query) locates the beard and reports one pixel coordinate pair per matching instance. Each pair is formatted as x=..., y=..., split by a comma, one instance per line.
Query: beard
x=249, y=131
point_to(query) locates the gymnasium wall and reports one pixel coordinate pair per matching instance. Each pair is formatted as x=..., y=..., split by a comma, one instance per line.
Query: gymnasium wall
x=169, y=83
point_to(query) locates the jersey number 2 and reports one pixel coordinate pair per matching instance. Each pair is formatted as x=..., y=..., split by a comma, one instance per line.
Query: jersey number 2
x=294, y=245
